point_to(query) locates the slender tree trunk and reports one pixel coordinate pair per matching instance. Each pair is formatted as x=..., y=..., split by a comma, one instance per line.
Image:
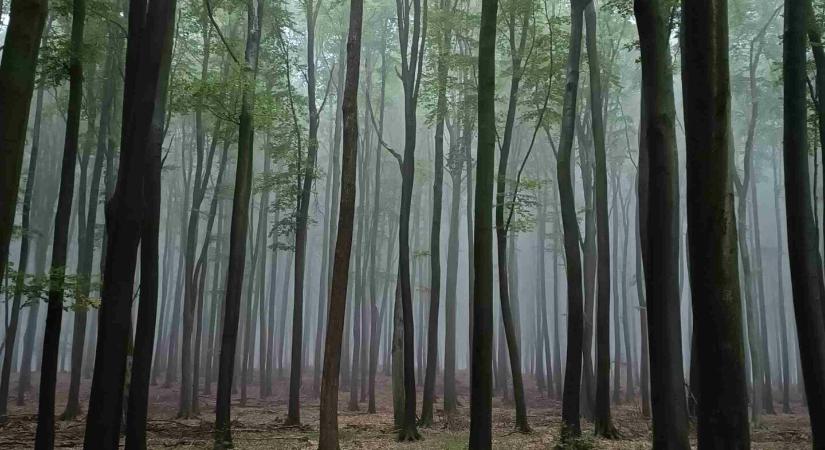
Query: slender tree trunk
x=376, y=317
x=240, y=224
x=780, y=294
x=44, y=438
x=435, y=228
x=603, y=423
x=328, y=439
x=571, y=426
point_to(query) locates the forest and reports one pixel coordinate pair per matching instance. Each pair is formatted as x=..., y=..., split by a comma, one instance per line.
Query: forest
x=446, y=224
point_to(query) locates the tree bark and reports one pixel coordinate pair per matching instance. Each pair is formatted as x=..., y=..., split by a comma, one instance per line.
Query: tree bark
x=27, y=19
x=571, y=426
x=714, y=275
x=328, y=427
x=239, y=227
x=803, y=254
x=661, y=320
x=44, y=437
x=481, y=390
x=22, y=266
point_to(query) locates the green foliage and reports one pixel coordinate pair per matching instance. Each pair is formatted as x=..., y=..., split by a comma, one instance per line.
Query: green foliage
x=35, y=288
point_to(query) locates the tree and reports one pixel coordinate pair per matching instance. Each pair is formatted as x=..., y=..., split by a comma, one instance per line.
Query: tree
x=412, y=58
x=144, y=340
x=442, y=69
x=138, y=173
x=293, y=411
x=658, y=132
x=51, y=341
x=519, y=60
x=328, y=437
x=20, y=278
x=571, y=426
x=240, y=224
x=803, y=254
x=603, y=423
x=481, y=392
x=17, y=70
x=714, y=274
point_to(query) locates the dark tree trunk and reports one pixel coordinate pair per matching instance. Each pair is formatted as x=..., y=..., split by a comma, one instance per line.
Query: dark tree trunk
x=17, y=71
x=660, y=193
x=603, y=424
x=501, y=226
x=481, y=390
x=803, y=254
x=571, y=426
x=238, y=231
x=22, y=267
x=144, y=338
x=44, y=437
x=138, y=175
x=412, y=55
x=328, y=427
x=714, y=274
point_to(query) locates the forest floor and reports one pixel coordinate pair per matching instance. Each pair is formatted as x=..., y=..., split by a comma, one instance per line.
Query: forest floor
x=259, y=424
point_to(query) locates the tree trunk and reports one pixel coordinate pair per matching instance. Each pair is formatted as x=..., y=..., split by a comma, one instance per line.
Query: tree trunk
x=22, y=267
x=803, y=255
x=150, y=37
x=571, y=426
x=780, y=294
x=240, y=224
x=481, y=390
x=328, y=427
x=603, y=423
x=659, y=191
x=44, y=437
x=435, y=227
x=714, y=274
x=17, y=71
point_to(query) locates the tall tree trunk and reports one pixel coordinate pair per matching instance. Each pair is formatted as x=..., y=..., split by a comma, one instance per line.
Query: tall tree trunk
x=571, y=426
x=603, y=424
x=17, y=70
x=780, y=294
x=328, y=427
x=144, y=338
x=714, y=274
x=412, y=55
x=803, y=254
x=658, y=190
x=502, y=226
x=375, y=322
x=240, y=224
x=22, y=266
x=302, y=220
x=149, y=43
x=454, y=165
x=44, y=437
x=481, y=390
x=435, y=227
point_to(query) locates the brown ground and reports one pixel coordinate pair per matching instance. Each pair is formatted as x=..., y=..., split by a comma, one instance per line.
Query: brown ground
x=259, y=424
